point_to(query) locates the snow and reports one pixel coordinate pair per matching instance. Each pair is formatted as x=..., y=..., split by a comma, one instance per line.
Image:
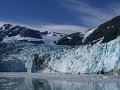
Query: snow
x=69, y=38
x=52, y=37
x=3, y=27
x=50, y=34
x=64, y=59
x=17, y=38
x=100, y=40
x=48, y=39
x=105, y=77
x=86, y=34
x=88, y=59
x=108, y=27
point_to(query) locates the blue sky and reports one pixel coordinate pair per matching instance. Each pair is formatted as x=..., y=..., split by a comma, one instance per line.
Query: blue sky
x=58, y=15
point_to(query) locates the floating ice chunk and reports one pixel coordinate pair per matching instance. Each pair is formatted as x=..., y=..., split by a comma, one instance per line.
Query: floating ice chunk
x=105, y=77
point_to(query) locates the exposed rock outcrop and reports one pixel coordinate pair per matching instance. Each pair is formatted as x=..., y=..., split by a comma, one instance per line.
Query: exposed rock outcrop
x=104, y=33
x=40, y=62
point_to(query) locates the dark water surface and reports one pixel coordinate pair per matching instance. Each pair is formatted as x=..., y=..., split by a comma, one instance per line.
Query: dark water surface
x=33, y=83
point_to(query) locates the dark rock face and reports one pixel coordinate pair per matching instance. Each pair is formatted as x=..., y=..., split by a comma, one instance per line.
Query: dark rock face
x=12, y=34
x=72, y=39
x=34, y=42
x=5, y=26
x=104, y=33
x=109, y=30
x=44, y=33
x=14, y=31
x=40, y=62
x=31, y=33
x=1, y=39
x=9, y=30
x=115, y=71
x=5, y=50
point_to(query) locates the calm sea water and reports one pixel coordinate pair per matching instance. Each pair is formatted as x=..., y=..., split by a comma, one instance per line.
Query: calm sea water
x=29, y=83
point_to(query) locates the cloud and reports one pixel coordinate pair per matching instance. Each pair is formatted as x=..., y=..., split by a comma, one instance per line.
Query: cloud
x=84, y=12
x=63, y=28
x=1, y=23
x=90, y=15
x=51, y=27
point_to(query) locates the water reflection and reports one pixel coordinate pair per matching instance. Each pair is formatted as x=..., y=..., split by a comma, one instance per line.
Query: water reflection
x=38, y=84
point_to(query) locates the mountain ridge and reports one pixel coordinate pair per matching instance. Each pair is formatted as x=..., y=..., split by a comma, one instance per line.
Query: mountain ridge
x=106, y=32
x=91, y=53
x=10, y=33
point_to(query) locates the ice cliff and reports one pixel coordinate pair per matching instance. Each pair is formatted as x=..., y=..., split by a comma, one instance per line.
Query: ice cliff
x=99, y=58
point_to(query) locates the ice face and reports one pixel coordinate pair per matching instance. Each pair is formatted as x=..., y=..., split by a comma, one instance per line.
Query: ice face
x=87, y=59
x=81, y=59
x=24, y=52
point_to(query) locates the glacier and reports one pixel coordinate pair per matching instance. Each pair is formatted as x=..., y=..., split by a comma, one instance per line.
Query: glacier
x=88, y=59
x=97, y=58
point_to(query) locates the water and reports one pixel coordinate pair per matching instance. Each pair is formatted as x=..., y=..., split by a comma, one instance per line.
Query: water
x=34, y=83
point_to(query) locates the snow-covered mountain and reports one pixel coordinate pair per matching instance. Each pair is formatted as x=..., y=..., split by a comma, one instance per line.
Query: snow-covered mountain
x=95, y=51
x=99, y=58
x=104, y=33
x=10, y=33
x=74, y=39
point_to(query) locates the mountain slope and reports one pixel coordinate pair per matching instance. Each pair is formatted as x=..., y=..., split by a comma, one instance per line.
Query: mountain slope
x=109, y=31
x=75, y=38
x=99, y=58
x=96, y=51
x=104, y=33
x=10, y=33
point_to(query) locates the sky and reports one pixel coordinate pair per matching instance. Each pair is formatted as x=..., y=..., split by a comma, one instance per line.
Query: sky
x=66, y=16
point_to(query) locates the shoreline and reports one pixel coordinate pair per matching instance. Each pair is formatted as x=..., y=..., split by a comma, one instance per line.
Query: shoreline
x=63, y=77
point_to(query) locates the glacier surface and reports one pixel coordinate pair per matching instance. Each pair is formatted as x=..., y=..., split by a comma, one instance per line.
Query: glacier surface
x=103, y=57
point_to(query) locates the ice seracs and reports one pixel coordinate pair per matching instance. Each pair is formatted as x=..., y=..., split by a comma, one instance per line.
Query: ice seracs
x=97, y=58
x=100, y=58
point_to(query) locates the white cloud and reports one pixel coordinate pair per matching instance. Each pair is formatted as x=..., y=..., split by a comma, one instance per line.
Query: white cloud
x=90, y=15
x=63, y=28
x=1, y=23
x=84, y=12
x=51, y=27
